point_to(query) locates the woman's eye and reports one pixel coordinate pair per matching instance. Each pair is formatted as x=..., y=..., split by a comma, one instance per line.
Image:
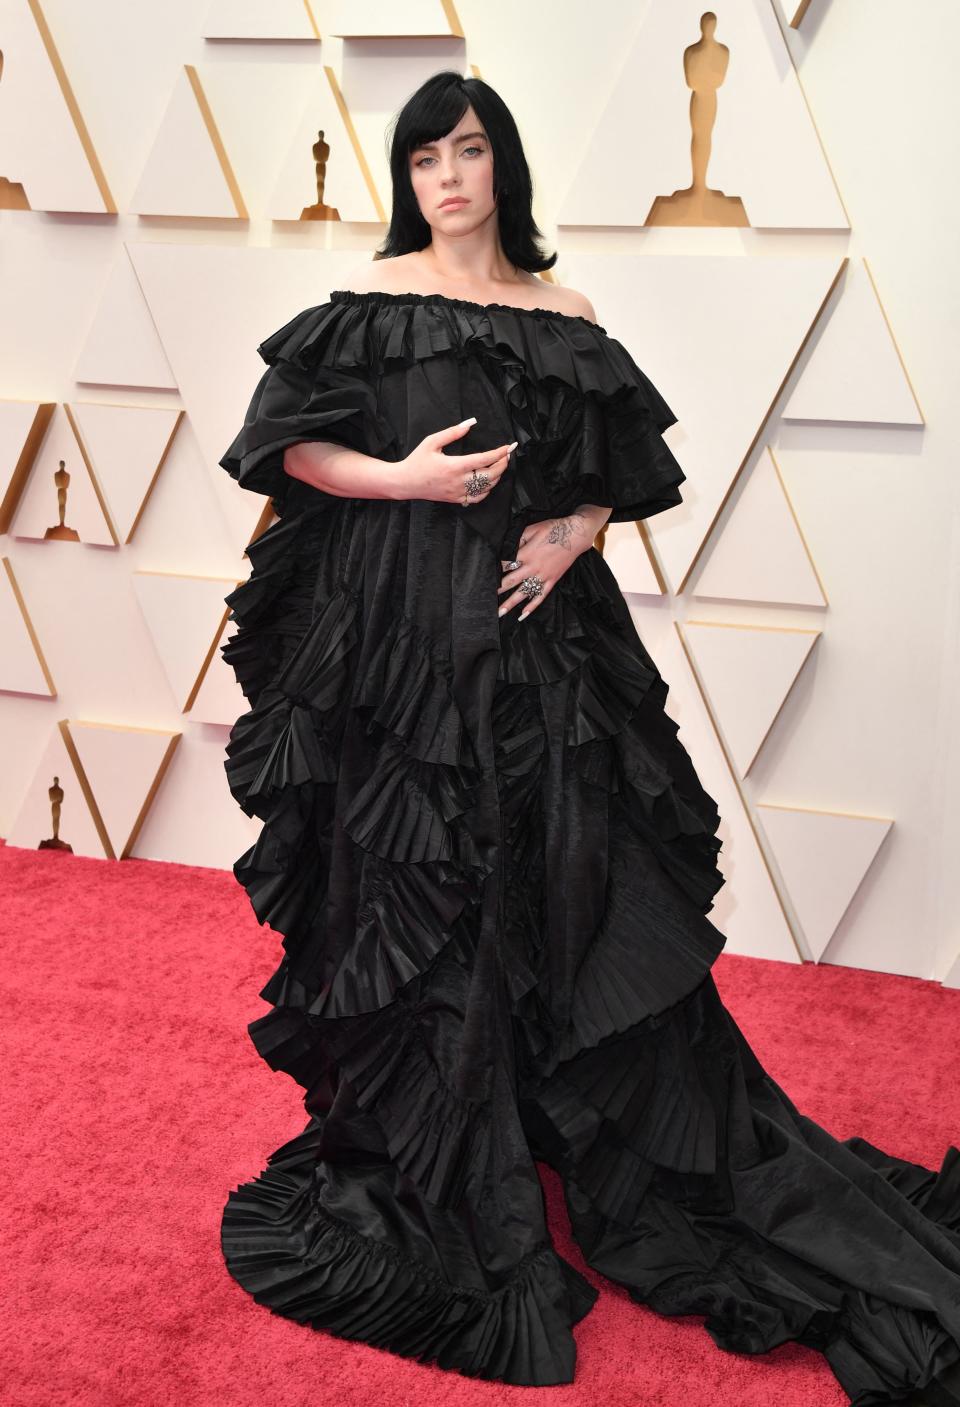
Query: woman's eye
x=424, y=159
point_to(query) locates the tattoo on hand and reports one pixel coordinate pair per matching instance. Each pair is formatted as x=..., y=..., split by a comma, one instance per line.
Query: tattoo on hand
x=563, y=530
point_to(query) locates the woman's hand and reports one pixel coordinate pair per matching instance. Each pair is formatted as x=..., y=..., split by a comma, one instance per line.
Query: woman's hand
x=429, y=473
x=546, y=550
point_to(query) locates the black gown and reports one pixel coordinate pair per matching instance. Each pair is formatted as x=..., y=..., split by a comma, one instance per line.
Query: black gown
x=491, y=861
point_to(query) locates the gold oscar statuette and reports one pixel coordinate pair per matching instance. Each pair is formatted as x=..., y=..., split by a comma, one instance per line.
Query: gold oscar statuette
x=55, y=794
x=704, y=68
x=321, y=155
x=61, y=533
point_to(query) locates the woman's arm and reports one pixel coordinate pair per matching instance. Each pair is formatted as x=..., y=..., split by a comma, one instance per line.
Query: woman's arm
x=346, y=473
x=585, y=522
x=341, y=472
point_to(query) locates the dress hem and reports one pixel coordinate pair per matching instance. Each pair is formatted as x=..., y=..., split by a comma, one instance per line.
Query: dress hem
x=305, y=1264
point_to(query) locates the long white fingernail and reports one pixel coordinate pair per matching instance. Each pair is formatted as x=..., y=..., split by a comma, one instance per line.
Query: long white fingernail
x=471, y=421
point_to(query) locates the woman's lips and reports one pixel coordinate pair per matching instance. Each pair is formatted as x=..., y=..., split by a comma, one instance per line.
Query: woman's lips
x=452, y=204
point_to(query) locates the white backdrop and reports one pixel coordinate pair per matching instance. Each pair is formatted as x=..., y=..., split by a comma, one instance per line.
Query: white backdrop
x=803, y=603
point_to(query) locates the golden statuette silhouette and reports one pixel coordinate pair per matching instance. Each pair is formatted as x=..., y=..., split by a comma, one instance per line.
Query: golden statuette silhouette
x=704, y=68
x=55, y=794
x=321, y=155
x=61, y=532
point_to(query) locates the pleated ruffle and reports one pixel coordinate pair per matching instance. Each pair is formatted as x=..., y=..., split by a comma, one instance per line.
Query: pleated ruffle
x=410, y=816
x=621, y=737
x=291, y=405
x=562, y=379
x=307, y=1265
x=439, y=1139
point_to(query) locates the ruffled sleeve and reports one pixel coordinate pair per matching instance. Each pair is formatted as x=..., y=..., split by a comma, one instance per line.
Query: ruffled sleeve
x=297, y=401
x=624, y=461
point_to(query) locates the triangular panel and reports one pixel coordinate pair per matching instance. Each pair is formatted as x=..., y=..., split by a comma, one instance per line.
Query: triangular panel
x=122, y=347
x=752, y=917
x=23, y=427
x=126, y=446
x=23, y=669
x=718, y=336
x=219, y=698
x=48, y=160
x=854, y=372
x=626, y=552
x=823, y=857
x=187, y=172
x=61, y=486
x=58, y=810
x=254, y=109
x=324, y=177
x=766, y=167
x=124, y=767
x=760, y=554
x=185, y=616
x=211, y=336
x=746, y=673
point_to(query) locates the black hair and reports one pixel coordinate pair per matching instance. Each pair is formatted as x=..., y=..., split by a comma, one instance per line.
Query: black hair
x=430, y=113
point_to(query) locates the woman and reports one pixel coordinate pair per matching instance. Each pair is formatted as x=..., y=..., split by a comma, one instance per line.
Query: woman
x=491, y=858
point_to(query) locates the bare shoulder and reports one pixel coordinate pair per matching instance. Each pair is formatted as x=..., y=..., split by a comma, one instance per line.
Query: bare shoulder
x=375, y=276
x=574, y=304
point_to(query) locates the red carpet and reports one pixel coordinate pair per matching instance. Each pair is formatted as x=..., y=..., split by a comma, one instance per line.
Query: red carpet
x=135, y=1100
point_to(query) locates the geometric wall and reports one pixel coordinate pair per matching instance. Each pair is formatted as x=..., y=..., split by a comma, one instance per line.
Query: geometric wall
x=159, y=217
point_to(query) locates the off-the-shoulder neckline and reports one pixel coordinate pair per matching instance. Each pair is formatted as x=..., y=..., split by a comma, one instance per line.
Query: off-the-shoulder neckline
x=349, y=295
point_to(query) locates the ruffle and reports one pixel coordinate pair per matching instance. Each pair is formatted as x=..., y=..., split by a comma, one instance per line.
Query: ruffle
x=373, y=329
x=271, y=608
x=441, y=1140
x=549, y=367
x=291, y=405
x=406, y=682
x=402, y=922
x=654, y=946
x=619, y=735
x=625, y=976
x=307, y=1265
x=639, y=1105
x=742, y=1259
x=287, y=740
x=421, y=865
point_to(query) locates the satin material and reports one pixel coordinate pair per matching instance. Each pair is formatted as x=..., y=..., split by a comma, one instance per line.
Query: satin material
x=491, y=861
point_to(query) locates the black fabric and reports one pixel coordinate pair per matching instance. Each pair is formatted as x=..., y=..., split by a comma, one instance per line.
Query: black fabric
x=491, y=863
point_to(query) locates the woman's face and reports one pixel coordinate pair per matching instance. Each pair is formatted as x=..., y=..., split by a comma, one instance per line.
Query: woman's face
x=458, y=165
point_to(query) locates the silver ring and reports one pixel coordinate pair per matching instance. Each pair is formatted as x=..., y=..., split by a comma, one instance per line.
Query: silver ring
x=512, y=566
x=532, y=585
x=476, y=483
